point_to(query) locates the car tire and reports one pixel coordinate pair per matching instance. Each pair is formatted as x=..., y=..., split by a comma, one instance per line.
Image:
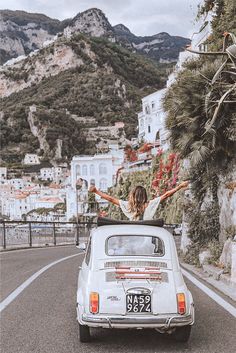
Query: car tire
x=84, y=334
x=182, y=333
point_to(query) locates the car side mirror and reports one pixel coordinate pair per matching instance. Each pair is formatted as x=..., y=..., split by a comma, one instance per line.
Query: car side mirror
x=81, y=246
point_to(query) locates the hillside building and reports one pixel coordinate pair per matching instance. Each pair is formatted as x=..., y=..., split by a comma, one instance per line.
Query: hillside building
x=56, y=174
x=31, y=159
x=151, y=121
x=3, y=175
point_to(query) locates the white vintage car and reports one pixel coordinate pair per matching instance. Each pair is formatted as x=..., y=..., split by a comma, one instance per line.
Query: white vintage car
x=131, y=279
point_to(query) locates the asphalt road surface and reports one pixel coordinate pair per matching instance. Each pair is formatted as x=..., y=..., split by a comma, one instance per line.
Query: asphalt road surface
x=42, y=318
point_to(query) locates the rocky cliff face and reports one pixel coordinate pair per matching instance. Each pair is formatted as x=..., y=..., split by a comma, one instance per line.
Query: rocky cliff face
x=49, y=62
x=22, y=33
x=161, y=47
x=227, y=201
x=92, y=22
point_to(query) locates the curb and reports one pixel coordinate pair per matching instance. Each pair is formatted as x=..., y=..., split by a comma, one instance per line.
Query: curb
x=218, y=284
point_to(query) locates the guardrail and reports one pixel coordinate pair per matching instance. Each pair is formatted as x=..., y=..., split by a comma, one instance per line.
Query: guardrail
x=15, y=234
x=18, y=234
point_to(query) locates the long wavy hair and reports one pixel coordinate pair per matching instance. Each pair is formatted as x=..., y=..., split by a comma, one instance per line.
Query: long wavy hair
x=137, y=201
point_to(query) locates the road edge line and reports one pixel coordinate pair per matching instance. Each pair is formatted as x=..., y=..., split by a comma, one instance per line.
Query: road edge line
x=13, y=295
x=214, y=296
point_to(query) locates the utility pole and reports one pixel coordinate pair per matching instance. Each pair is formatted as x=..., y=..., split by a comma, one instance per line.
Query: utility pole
x=78, y=187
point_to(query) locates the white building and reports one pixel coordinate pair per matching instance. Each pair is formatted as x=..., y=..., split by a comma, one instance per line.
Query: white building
x=17, y=199
x=56, y=174
x=31, y=159
x=151, y=121
x=17, y=183
x=3, y=175
x=46, y=174
x=97, y=170
x=117, y=159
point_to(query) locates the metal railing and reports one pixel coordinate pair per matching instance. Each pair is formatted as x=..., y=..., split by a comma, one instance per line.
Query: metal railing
x=16, y=234
x=21, y=234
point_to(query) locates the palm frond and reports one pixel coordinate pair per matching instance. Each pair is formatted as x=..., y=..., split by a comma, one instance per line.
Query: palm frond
x=199, y=153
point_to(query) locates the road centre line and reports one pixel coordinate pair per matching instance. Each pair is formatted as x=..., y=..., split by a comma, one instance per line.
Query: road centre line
x=25, y=284
x=225, y=305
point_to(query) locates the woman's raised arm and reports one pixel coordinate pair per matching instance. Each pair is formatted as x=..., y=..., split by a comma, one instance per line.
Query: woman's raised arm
x=169, y=193
x=105, y=196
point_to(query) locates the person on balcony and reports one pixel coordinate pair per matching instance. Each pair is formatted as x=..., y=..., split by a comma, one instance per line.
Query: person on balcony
x=138, y=207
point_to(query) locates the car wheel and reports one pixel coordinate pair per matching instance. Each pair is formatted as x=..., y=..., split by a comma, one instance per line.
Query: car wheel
x=182, y=333
x=84, y=333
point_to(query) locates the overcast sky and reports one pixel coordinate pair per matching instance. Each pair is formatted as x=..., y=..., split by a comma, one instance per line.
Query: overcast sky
x=142, y=17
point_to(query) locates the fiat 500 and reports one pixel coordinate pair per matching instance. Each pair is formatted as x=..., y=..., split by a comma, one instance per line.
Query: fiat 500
x=131, y=279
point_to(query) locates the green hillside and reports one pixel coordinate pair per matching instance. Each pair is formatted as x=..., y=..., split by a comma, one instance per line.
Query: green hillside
x=108, y=87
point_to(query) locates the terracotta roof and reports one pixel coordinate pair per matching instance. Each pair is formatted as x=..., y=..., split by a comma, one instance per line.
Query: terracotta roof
x=50, y=199
x=54, y=186
x=20, y=197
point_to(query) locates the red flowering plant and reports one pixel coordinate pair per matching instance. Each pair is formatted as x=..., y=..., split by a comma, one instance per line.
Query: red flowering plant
x=130, y=154
x=145, y=148
x=166, y=172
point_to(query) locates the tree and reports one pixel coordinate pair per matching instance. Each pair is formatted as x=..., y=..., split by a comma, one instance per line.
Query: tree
x=207, y=140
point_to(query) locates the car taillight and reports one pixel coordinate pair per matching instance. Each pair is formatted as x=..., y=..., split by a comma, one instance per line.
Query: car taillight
x=94, y=302
x=181, y=303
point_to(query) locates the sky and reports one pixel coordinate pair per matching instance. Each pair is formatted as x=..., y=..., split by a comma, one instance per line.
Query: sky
x=142, y=17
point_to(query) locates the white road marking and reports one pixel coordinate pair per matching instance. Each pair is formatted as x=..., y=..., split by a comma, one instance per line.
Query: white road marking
x=227, y=306
x=25, y=284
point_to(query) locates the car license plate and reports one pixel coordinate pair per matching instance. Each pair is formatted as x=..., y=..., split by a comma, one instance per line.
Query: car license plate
x=138, y=303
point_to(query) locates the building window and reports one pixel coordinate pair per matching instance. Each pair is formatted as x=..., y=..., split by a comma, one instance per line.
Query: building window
x=92, y=182
x=147, y=110
x=149, y=129
x=103, y=184
x=102, y=169
x=84, y=170
x=141, y=124
x=92, y=169
x=153, y=105
x=77, y=168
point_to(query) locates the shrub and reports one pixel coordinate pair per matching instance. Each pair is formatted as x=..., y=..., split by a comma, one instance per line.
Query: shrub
x=215, y=248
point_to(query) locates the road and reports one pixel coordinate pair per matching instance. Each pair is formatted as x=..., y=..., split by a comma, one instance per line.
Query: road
x=42, y=318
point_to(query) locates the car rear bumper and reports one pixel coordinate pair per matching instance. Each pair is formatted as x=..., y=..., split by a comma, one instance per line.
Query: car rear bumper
x=164, y=322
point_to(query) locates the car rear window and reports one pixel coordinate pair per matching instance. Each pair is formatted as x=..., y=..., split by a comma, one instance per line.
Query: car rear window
x=134, y=245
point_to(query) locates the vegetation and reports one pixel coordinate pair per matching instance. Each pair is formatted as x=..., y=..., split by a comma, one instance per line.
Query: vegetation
x=45, y=211
x=108, y=87
x=206, y=144
x=162, y=176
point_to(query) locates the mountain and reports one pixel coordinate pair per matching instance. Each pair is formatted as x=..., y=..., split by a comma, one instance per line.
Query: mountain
x=22, y=32
x=68, y=96
x=160, y=47
x=92, y=22
x=81, y=81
